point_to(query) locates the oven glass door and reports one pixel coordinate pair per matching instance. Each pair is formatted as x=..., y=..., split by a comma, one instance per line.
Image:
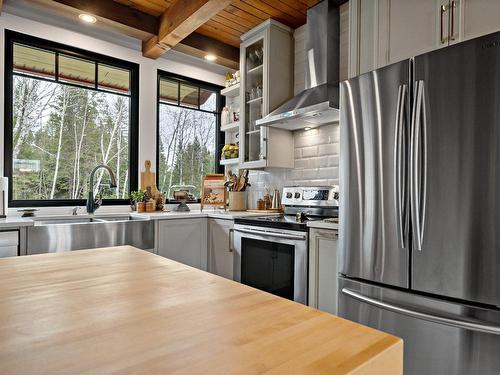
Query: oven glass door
x=273, y=260
x=268, y=266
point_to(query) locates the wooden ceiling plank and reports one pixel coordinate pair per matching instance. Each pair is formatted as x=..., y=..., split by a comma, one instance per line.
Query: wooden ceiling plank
x=296, y=5
x=250, y=9
x=286, y=9
x=211, y=32
x=115, y=12
x=223, y=28
x=146, y=7
x=241, y=14
x=180, y=20
x=310, y=3
x=242, y=22
x=235, y=24
x=275, y=13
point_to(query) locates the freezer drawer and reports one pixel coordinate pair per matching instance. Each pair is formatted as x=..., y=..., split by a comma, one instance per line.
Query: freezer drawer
x=439, y=337
x=9, y=244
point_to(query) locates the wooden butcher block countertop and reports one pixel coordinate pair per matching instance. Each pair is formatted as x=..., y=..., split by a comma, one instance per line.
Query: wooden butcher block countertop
x=123, y=310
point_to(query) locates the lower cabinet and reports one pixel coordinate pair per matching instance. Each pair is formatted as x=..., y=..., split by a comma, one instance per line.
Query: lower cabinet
x=183, y=240
x=323, y=269
x=220, y=247
x=9, y=243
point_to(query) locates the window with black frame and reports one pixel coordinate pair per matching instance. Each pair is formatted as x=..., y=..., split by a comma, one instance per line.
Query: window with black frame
x=188, y=132
x=67, y=111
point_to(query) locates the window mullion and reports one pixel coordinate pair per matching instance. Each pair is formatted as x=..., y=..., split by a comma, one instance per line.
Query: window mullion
x=57, y=67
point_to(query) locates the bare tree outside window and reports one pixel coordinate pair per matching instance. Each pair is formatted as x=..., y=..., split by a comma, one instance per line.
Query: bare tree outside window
x=60, y=133
x=187, y=137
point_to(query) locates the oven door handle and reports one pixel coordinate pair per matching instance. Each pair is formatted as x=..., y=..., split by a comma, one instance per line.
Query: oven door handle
x=272, y=234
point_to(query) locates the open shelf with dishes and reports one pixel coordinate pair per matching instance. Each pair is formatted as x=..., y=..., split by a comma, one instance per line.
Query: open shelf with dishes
x=231, y=91
x=230, y=125
x=233, y=126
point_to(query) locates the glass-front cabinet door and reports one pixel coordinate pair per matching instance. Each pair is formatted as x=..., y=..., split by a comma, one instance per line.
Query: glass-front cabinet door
x=252, y=138
x=266, y=69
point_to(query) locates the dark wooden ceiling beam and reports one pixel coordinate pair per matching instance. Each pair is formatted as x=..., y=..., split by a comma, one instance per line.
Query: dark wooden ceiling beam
x=116, y=12
x=179, y=20
x=195, y=44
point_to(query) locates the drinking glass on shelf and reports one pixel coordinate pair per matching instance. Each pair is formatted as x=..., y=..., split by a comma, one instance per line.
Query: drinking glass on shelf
x=259, y=53
x=253, y=93
x=258, y=91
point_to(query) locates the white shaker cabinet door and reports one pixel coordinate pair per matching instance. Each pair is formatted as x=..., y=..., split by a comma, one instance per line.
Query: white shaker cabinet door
x=474, y=18
x=323, y=270
x=220, y=247
x=408, y=28
x=183, y=240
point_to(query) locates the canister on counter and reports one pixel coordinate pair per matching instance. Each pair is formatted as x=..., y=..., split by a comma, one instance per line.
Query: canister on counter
x=261, y=205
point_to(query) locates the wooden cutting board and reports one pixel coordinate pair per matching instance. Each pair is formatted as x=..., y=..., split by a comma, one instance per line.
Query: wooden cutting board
x=148, y=178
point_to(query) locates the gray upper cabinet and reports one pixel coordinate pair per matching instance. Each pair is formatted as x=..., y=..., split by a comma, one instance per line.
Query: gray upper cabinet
x=387, y=31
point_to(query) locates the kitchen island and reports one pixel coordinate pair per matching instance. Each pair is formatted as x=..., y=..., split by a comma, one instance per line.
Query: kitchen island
x=123, y=310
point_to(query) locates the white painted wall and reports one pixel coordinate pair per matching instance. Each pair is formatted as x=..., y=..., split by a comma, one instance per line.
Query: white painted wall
x=101, y=41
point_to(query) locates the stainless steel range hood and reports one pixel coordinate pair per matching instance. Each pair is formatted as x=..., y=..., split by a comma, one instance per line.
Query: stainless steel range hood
x=318, y=104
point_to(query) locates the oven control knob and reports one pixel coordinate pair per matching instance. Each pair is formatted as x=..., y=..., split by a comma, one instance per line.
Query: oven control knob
x=289, y=195
x=297, y=195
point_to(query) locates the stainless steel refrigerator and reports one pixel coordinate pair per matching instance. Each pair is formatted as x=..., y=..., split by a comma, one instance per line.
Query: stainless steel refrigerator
x=420, y=208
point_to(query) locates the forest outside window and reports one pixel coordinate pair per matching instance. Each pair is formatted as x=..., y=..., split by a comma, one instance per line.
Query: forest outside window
x=67, y=111
x=188, y=132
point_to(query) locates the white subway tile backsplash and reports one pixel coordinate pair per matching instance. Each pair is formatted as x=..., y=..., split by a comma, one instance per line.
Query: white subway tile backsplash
x=331, y=172
x=294, y=174
x=308, y=152
x=310, y=169
x=301, y=163
x=310, y=173
x=333, y=160
x=323, y=162
x=328, y=149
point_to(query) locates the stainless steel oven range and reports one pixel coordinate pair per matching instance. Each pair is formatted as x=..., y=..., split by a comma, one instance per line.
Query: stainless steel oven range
x=271, y=252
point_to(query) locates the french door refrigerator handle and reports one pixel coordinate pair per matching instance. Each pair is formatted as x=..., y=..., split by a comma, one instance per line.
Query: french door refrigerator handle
x=447, y=319
x=398, y=164
x=418, y=168
x=423, y=175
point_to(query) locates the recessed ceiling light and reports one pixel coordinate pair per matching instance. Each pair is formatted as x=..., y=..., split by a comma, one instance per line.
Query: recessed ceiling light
x=87, y=18
x=307, y=128
x=210, y=57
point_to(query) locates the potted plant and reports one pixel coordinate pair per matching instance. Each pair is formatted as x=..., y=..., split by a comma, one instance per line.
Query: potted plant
x=137, y=201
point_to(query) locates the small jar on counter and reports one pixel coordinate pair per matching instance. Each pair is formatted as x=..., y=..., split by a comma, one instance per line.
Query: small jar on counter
x=261, y=205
